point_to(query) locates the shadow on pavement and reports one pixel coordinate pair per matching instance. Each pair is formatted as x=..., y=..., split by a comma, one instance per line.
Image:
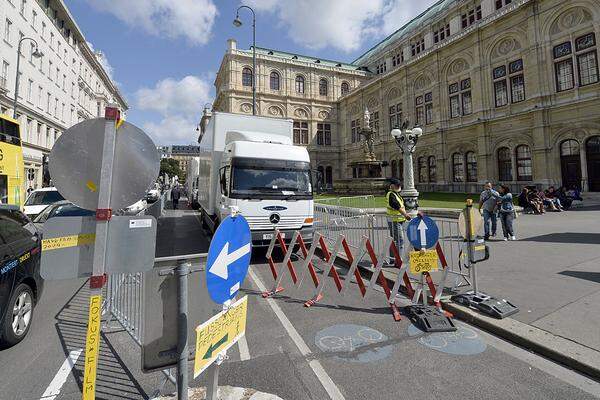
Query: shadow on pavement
x=114, y=380
x=566, y=237
x=588, y=276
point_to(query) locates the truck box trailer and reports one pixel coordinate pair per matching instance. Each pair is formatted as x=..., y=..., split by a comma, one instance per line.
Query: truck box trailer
x=255, y=168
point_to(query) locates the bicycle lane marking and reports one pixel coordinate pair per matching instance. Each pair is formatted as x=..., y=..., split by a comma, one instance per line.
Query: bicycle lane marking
x=61, y=376
x=330, y=387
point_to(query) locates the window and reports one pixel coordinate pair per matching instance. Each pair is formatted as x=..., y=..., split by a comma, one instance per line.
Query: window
x=395, y=113
x=417, y=47
x=50, y=69
x=299, y=84
x=569, y=147
x=274, y=81
x=43, y=33
x=424, y=109
x=441, y=34
x=585, y=57
x=48, y=101
x=22, y=8
x=504, y=164
x=355, y=130
x=246, y=76
x=29, y=90
x=375, y=122
x=324, y=134
x=432, y=170
x=471, y=162
x=40, y=97
x=397, y=58
x=471, y=16
x=345, y=88
x=422, y=169
x=323, y=87
x=502, y=77
x=381, y=68
x=517, y=89
x=523, y=163
x=33, y=18
x=502, y=3
x=7, y=29
x=300, y=132
x=458, y=169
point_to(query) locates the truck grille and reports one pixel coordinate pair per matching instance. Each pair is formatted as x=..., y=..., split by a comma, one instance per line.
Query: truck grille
x=263, y=223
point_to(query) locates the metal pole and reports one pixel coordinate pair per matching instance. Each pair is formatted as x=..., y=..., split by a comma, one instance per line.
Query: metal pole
x=17, y=80
x=253, y=62
x=213, y=382
x=182, y=271
x=469, y=235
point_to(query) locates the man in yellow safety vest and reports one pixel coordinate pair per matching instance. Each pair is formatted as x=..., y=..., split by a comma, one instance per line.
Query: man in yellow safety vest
x=396, y=215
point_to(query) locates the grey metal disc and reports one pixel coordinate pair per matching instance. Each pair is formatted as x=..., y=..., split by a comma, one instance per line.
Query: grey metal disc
x=76, y=160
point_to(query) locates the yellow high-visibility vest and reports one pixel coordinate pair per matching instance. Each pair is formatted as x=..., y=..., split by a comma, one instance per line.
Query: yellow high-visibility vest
x=394, y=215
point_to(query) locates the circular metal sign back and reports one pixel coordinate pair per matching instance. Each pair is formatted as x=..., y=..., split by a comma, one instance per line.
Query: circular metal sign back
x=76, y=160
x=476, y=222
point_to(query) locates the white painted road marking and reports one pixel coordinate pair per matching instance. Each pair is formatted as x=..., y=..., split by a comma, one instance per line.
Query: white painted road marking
x=328, y=384
x=61, y=376
x=243, y=347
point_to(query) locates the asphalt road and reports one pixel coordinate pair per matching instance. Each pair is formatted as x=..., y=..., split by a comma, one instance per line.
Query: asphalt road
x=343, y=348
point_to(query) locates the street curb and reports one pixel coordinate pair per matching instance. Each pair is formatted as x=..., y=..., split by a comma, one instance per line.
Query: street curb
x=574, y=355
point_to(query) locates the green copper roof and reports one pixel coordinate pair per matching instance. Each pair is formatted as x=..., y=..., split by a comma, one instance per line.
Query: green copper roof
x=307, y=59
x=414, y=24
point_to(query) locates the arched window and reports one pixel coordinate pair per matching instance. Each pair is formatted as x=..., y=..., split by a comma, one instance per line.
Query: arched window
x=432, y=169
x=569, y=147
x=422, y=163
x=394, y=169
x=274, y=81
x=329, y=176
x=458, y=169
x=299, y=84
x=523, y=153
x=345, y=88
x=323, y=87
x=247, y=77
x=504, y=164
x=471, y=162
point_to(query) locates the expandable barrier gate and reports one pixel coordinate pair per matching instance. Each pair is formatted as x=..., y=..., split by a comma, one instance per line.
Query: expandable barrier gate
x=329, y=257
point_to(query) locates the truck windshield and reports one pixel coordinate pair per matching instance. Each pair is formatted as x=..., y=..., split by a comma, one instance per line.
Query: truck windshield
x=271, y=178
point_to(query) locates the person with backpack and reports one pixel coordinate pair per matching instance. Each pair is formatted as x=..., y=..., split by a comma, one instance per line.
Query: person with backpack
x=506, y=212
x=487, y=206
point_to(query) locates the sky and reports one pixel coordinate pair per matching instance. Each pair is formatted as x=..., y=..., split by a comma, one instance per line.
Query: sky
x=164, y=54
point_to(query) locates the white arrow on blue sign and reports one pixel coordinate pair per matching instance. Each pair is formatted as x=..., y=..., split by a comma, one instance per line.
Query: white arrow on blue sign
x=422, y=232
x=228, y=259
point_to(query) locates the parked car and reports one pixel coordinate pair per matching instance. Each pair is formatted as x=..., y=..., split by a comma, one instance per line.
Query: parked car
x=152, y=195
x=39, y=199
x=62, y=208
x=135, y=208
x=20, y=282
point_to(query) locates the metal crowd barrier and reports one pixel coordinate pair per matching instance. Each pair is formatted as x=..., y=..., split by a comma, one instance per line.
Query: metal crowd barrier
x=333, y=219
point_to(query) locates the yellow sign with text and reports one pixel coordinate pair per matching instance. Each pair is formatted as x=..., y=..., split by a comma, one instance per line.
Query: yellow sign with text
x=219, y=333
x=423, y=261
x=92, y=348
x=68, y=241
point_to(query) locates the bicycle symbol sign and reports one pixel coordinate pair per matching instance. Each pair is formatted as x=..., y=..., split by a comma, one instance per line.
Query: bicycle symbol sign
x=360, y=342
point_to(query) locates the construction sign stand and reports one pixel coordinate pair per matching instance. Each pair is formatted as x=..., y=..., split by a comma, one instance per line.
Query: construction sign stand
x=427, y=254
x=478, y=251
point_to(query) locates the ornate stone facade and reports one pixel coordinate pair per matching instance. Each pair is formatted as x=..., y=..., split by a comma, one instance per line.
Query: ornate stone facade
x=510, y=95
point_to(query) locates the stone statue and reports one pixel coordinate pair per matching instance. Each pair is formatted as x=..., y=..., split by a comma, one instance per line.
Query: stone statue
x=368, y=133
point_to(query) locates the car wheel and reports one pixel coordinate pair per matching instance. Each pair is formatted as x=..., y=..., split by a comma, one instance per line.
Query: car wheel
x=18, y=316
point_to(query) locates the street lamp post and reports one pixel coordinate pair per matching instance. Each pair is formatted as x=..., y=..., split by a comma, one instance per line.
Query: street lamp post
x=37, y=54
x=407, y=141
x=238, y=22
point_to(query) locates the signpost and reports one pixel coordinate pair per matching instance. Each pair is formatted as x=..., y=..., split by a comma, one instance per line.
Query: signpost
x=422, y=232
x=102, y=164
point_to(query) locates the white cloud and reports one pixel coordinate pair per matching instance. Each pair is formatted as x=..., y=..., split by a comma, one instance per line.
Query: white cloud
x=340, y=24
x=179, y=104
x=191, y=19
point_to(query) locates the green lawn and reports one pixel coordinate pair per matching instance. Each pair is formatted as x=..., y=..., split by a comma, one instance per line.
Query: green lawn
x=430, y=199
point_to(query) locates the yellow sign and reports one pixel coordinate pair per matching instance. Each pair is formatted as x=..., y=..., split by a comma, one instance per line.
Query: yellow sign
x=423, y=261
x=92, y=348
x=219, y=333
x=68, y=241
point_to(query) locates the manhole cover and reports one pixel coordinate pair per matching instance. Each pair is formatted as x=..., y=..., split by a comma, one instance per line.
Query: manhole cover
x=465, y=341
x=355, y=343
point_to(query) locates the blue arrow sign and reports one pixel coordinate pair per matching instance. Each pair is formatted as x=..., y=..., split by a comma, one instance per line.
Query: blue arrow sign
x=228, y=259
x=422, y=232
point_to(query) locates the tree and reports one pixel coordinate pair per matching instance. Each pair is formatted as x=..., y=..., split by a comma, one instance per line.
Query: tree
x=170, y=167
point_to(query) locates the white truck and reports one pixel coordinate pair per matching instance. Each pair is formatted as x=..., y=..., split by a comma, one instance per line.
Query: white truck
x=255, y=169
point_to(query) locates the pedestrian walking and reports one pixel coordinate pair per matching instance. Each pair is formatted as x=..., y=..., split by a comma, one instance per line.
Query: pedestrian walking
x=396, y=215
x=175, y=195
x=488, y=207
x=507, y=212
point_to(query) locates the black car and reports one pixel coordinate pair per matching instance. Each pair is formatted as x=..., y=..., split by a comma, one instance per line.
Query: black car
x=20, y=281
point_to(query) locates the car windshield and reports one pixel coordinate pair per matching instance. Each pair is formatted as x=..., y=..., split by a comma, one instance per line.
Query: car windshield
x=43, y=197
x=283, y=181
x=64, y=210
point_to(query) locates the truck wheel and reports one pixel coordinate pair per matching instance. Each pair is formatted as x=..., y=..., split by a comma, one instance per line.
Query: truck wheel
x=17, y=319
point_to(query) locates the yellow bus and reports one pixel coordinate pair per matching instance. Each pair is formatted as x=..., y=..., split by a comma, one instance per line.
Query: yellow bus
x=12, y=180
